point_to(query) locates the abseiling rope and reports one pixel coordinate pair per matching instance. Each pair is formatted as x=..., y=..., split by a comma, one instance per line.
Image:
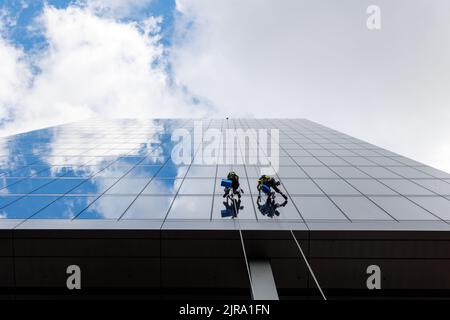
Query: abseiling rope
x=309, y=267
x=243, y=249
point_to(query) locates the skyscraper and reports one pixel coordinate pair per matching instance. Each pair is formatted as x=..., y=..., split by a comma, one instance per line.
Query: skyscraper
x=134, y=207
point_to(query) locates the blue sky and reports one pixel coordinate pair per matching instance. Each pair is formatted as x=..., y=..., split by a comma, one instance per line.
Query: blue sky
x=69, y=60
x=24, y=14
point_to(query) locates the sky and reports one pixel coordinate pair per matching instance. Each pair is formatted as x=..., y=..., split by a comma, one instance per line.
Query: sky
x=67, y=60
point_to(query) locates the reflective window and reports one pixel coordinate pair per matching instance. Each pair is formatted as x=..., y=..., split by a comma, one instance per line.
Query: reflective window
x=125, y=169
x=403, y=209
x=434, y=172
x=318, y=208
x=438, y=186
x=107, y=207
x=360, y=208
x=298, y=153
x=291, y=172
x=149, y=207
x=224, y=208
x=5, y=200
x=197, y=186
x=336, y=187
x=319, y=172
x=437, y=205
x=384, y=161
x=379, y=172
x=201, y=172
x=23, y=186
x=129, y=186
x=25, y=207
x=370, y=187
x=408, y=172
x=307, y=161
x=358, y=161
x=162, y=186
x=333, y=161
x=171, y=171
x=406, y=187
x=94, y=186
x=67, y=207
x=59, y=186
x=301, y=187
x=143, y=172
x=191, y=207
x=349, y=172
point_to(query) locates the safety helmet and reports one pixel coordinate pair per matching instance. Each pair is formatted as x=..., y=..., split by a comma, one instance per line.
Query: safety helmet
x=232, y=174
x=263, y=178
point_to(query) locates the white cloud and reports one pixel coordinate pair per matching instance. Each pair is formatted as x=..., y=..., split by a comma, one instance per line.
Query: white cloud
x=317, y=60
x=14, y=76
x=254, y=58
x=93, y=65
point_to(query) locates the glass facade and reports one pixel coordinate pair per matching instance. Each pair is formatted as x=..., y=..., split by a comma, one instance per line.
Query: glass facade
x=124, y=170
x=139, y=207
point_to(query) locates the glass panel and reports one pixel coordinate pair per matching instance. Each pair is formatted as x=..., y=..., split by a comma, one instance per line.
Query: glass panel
x=286, y=161
x=300, y=187
x=318, y=208
x=319, y=152
x=5, y=200
x=23, y=186
x=319, y=172
x=132, y=186
x=223, y=209
x=94, y=186
x=69, y=171
x=434, y=172
x=384, y=161
x=403, y=209
x=67, y=207
x=349, y=172
x=170, y=171
x=333, y=161
x=298, y=153
x=378, y=172
x=408, y=172
x=254, y=172
x=277, y=210
x=358, y=161
x=405, y=187
x=197, y=186
x=307, y=161
x=201, y=172
x=162, y=186
x=59, y=186
x=107, y=207
x=360, y=208
x=26, y=206
x=291, y=172
x=149, y=207
x=143, y=172
x=336, y=187
x=437, y=205
x=435, y=185
x=370, y=187
x=191, y=207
